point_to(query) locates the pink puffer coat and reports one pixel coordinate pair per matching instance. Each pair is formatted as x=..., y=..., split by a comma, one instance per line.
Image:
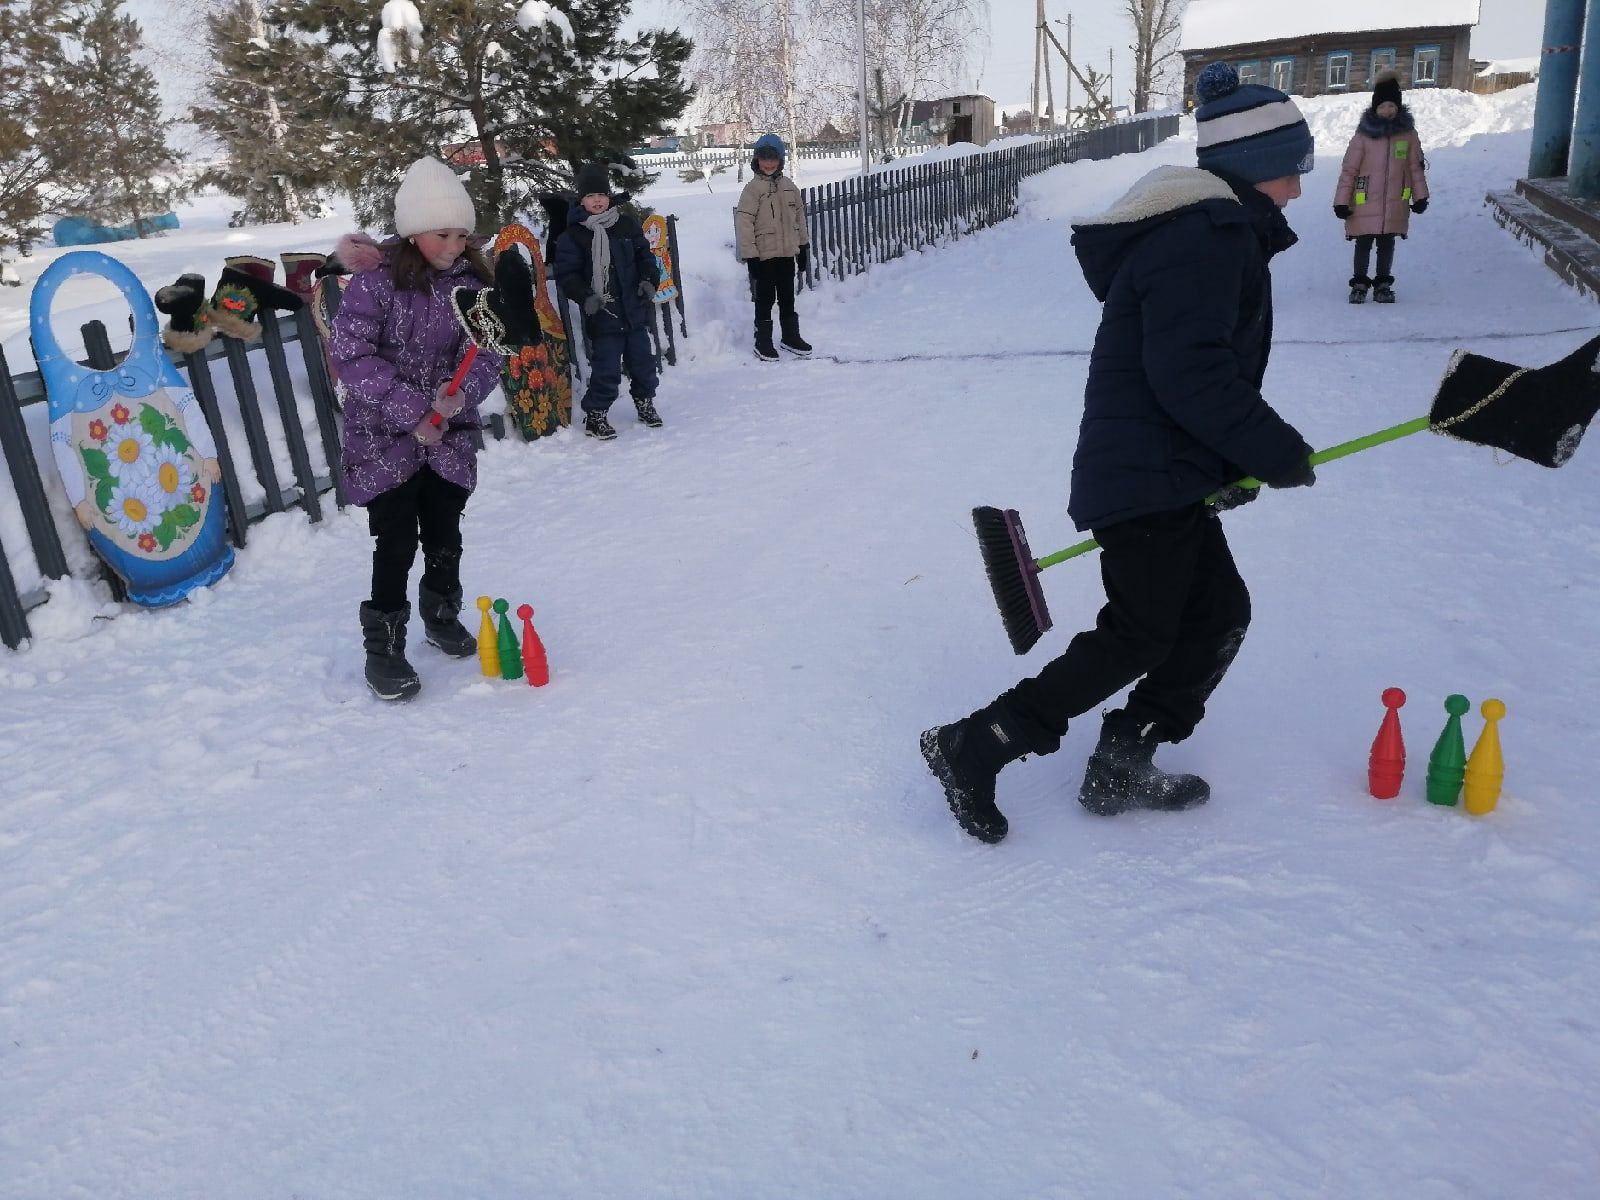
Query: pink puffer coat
x=1382, y=175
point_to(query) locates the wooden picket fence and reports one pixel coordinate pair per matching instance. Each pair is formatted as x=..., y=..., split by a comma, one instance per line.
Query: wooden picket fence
x=874, y=218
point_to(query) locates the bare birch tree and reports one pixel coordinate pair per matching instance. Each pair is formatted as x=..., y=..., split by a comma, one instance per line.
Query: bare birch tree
x=749, y=65
x=1155, y=45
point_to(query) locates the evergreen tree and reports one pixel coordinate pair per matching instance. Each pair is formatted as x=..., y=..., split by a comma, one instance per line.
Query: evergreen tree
x=36, y=120
x=123, y=170
x=518, y=95
x=277, y=162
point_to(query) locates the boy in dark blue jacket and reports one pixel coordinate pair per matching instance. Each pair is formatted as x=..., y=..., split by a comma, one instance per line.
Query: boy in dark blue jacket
x=1172, y=413
x=603, y=264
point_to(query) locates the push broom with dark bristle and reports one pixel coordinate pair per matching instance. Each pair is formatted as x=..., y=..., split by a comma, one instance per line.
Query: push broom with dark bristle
x=1013, y=575
x=1546, y=412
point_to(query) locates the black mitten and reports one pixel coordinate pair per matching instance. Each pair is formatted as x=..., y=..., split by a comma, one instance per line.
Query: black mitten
x=802, y=260
x=1342, y=211
x=1233, y=496
x=1419, y=207
x=1304, y=475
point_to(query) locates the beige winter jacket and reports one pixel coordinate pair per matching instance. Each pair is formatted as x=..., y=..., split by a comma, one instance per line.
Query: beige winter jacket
x=770, y=220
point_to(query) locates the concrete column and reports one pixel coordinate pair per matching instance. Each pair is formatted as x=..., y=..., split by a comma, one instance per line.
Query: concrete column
x=1583, y=166
x=1558, y=88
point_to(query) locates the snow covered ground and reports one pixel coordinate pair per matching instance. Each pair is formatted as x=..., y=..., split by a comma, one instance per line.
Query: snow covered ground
x=693, y=921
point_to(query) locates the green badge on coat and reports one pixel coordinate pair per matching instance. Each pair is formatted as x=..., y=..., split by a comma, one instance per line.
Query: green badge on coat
x=1401, y=149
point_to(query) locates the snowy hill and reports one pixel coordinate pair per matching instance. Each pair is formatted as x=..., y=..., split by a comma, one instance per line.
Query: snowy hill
x=693, y=921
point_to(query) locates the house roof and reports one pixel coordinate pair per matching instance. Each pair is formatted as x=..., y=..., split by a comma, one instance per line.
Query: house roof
x=1213, y=23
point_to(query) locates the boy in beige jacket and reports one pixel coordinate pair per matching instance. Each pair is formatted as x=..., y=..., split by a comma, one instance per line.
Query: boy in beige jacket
x=770, y=225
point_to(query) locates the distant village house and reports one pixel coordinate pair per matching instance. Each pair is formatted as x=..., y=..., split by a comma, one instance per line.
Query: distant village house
x=1314, y=47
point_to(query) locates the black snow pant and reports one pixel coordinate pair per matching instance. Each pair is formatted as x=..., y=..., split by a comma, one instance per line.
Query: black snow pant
x=610, y=352
x=1176, y=612
x=425, y=508
x=1385, y=255
x=774, y=280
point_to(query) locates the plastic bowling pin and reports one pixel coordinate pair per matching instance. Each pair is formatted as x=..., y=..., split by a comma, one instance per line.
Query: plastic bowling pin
x=510, y=660
x=533, y=658
x=1447, y=764
x=1386, y=764
x=488, y=655
x=1486, y=770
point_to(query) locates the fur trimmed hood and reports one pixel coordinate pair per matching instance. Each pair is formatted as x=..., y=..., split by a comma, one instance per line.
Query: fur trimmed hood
x=1164, y=190
x=357, y=252
x=1374, y=126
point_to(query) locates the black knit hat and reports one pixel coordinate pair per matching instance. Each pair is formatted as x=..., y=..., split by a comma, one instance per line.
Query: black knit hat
x=592, y=178
x=1387, y=88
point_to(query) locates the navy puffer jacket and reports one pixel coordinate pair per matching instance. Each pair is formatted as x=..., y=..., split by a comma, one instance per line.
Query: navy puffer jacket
x=1173, y=407
x=631, y=263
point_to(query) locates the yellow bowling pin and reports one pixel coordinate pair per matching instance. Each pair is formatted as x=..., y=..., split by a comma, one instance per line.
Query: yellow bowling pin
x=1486, y=770
x=488, y=652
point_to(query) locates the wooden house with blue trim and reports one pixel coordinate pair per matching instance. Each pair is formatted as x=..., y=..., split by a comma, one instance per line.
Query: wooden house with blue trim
x=1314, y=47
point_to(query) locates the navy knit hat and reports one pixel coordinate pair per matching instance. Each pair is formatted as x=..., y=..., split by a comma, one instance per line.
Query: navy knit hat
x=592, y=178
x=1249, y=131
x=771, y=144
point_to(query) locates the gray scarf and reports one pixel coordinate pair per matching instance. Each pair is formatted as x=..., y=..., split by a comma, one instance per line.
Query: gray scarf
x=597, y=224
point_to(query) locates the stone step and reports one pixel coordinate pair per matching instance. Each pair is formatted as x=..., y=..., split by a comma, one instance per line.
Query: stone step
x=1568, y=251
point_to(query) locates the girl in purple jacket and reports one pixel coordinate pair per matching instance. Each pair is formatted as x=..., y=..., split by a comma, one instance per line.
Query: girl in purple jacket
x=410, y=456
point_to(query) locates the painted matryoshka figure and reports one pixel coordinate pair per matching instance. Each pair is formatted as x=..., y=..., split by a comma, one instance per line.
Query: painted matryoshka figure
x=133, y=449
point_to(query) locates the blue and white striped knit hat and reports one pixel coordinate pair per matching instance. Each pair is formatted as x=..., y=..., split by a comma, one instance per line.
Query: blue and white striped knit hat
x=1249, y=131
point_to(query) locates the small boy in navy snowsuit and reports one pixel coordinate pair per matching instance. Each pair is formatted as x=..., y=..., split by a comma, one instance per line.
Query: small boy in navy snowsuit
x=613, y=278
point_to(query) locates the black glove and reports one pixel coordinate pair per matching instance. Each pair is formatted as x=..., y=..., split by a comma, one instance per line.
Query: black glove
x=1233, y=496
x=802, y=260
x=1342, y=211
x=647, y=291
x=1419, y=207
x=753, y=265
x=592, y=303
x=1303, y=475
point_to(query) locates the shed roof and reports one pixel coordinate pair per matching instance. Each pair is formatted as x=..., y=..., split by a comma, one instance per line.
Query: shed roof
x=1211, y=23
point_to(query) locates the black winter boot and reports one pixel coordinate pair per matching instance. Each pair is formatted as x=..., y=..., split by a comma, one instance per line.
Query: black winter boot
x=1358, y=289
x=595, y=425
x=1120, y=775
x=792, y=341
x=389, y=675
x=1383, y=289
x=645, y=406
x=764, y=348
x=440, y=612
x=966, y=756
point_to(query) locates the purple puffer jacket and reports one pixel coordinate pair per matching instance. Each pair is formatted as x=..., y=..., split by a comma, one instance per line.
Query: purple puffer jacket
x=393, y=350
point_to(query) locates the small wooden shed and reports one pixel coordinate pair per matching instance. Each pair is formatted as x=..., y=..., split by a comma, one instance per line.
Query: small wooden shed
x=968, y=119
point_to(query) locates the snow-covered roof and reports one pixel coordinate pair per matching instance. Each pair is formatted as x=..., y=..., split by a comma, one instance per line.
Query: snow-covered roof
x=1209, y=23
x=1511, y=66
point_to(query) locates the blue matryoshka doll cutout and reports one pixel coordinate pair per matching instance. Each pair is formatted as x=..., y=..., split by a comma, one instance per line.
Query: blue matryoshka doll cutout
x=133, y=449
x=655, y=232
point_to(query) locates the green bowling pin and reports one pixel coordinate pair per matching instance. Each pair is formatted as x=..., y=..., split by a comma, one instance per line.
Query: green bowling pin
x=1447, y=765
x=510, y=655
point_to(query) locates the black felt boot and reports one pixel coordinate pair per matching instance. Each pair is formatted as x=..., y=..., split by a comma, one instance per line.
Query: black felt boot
x=1358, y=289
x=1121, y=775
x=791, y=339
x=765, y=350
x=441, y=612
x=966, y=756
x=389, y=675
x=1383, y=289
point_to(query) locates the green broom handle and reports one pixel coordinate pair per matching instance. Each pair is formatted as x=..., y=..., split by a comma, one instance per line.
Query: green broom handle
x=1343, y=449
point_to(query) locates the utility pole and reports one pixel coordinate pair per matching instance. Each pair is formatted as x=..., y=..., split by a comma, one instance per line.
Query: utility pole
x=861, y=84
x=1038, y=53
x=1049, y=93
x=1111, y=83
x=1069, y=73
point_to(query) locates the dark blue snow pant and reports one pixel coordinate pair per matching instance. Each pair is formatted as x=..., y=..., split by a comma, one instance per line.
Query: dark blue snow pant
x=608, y=352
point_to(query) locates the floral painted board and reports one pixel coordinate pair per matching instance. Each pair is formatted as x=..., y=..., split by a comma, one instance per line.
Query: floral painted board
x=537, y=380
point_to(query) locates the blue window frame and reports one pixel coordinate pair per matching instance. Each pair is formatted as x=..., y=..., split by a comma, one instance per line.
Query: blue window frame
x=1380, y=60
x=1283, y=75
x=1339, y=71
x=1250, y=72
x=1425, y=67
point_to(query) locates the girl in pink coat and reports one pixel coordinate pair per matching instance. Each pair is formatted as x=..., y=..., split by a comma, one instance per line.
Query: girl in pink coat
x=1381, y=184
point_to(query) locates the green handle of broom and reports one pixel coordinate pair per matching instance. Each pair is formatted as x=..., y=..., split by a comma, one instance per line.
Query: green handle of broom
x=1342, y=450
